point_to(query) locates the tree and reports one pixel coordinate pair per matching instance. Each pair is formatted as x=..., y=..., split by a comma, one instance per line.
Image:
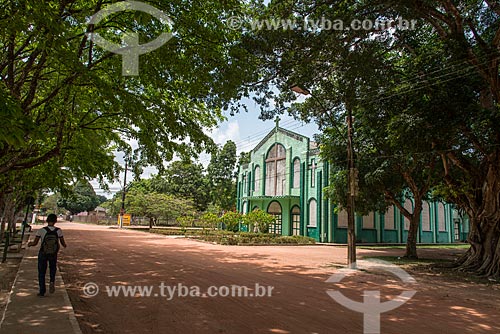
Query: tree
x=465, y=125
x=101, y=199
x=16, y=188
x=244, y=158
x=333, y=64
x=38, y=37
x=391, y=169
x=157, y=206
x=64, y=101
x=397, y=157
x=82, y=198
x=184, y=179
x=50, y=203
x=221, y=176
x=462, y=124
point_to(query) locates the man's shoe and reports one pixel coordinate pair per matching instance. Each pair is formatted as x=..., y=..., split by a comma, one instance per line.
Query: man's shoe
x=52, y=287
x=40, y=295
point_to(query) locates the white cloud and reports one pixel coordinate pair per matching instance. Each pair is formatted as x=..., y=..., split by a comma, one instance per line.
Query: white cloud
x=227, y=131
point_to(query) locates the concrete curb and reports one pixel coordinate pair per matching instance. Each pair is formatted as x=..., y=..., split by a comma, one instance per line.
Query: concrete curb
x=71, y=315
x=9, y=299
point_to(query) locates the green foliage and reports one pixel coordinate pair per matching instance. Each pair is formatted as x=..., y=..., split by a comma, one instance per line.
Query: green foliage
x=232, y=221
x=426, y=112
x=63, y=99
x=14, y=122
x=184, y=179
x=243, y=238
x=232, y=238
x=209, y=220
x=102, y=199
x=112, y=206
x=221, y=176
x=258, y=220
x=157, y=206
x=82, y=198
x=174, y=231
x=215, y=209
x=185, y=222
x=50, y=204
x=244, y=158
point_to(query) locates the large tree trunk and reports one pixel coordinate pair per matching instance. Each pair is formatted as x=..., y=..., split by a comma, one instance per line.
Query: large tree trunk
x=414, y=218
x=411, y=242
x=483, y=258
x=7, y=215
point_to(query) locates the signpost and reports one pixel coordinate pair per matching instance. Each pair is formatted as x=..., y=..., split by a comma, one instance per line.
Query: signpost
x=124, y=220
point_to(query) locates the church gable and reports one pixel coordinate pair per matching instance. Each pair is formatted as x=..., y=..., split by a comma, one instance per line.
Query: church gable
x=285, y=137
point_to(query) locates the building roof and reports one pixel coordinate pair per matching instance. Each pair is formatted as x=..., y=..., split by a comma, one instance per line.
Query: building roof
x=288, y=133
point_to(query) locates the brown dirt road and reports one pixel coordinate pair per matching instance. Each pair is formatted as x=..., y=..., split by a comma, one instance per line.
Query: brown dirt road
x=299, y=302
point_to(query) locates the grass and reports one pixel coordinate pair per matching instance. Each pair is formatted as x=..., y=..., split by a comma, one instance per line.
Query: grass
x=401, y=261
x=440, y=267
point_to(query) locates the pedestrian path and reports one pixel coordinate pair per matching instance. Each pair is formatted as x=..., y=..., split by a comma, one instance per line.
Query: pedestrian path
x=28, y=314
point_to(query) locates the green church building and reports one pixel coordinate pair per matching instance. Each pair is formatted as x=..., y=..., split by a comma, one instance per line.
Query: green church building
x=286, y=176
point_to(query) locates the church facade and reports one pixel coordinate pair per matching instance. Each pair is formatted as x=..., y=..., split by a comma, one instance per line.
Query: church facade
x=286, y=176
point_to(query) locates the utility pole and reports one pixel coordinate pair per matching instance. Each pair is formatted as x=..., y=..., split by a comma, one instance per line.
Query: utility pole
x=352, y=178
x=351, y=181
x=122, y=210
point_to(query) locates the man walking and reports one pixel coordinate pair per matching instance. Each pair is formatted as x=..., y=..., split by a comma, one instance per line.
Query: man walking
x=51, y=236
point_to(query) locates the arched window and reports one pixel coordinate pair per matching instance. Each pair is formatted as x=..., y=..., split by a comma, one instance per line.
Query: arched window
x=389, y=219
x=276, y=170
x=296, y=220
x=256, y=182
x=313, y=168
x=409, y=207
x=426, y=220
x=368, y=221
x=441, y=218
x=342, y=219
x=313, y=209
x=275, y=210
x=296, y=173
x=244, y=183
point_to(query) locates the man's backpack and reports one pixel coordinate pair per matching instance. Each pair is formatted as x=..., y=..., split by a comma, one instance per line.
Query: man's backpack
x=50, y=243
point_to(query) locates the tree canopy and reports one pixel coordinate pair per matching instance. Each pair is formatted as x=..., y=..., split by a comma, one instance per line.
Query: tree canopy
x=425, y=101
x=66, y=109
x=82, y=198
x=221, y=176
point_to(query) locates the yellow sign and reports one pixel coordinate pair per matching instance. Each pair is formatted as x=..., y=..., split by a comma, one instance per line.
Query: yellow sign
x=126, y=219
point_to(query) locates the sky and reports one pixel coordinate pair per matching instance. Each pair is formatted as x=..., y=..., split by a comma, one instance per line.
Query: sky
x=244, y=128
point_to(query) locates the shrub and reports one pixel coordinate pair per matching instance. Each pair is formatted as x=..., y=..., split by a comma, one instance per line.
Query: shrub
x=232, y=221
x=185, y=221
x=258, y=221
x=245, y=238
x=209, y=220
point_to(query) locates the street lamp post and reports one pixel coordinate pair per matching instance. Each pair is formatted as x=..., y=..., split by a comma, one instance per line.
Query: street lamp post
x=351, y=181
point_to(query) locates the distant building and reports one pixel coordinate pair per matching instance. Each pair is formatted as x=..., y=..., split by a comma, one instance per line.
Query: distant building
x=286, y=177
x=93, y=216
